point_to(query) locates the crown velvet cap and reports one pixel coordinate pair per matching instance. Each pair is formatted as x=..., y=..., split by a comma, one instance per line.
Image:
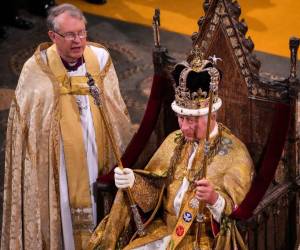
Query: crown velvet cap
x=193, y=82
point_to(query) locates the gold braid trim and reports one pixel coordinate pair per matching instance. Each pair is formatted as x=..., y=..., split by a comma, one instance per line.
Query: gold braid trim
x=222, y=128
x=215, y=143
x=107, y=65
x=106, y=68
x=180, y=141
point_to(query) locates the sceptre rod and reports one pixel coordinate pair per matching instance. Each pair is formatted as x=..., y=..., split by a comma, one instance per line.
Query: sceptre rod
x=206, y=152
x=206, y=143
x=95, y=93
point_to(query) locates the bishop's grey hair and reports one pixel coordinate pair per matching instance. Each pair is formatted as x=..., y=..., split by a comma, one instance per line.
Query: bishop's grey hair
x=58, y=10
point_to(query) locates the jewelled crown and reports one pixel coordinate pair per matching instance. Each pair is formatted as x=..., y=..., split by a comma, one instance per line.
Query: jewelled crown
x=193, y=82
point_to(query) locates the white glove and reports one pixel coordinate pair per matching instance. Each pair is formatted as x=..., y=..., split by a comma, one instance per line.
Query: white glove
x=124, y=178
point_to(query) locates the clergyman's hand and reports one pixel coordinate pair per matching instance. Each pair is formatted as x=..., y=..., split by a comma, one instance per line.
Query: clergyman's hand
x=205, y=192
x=124, y=178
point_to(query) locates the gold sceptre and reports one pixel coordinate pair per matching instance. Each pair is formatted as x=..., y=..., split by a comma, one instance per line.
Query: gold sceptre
x=203, y=173
x=95, y=93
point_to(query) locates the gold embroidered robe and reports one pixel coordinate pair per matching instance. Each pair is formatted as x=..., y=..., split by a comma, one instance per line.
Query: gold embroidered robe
x=31, y=209
x=230, y=173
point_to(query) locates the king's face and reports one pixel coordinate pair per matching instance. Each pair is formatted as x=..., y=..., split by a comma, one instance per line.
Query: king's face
x=193, y=127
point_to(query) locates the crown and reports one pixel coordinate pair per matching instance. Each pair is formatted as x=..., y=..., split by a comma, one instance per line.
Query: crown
x=194, y=81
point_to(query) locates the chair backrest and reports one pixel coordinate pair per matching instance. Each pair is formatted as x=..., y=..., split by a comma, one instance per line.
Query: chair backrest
x=248, y=99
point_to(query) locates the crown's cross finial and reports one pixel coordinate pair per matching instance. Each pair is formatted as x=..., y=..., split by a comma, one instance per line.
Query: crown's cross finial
x=214, y=59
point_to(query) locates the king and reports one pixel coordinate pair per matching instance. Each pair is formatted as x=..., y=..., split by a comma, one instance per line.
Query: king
x=193, y=182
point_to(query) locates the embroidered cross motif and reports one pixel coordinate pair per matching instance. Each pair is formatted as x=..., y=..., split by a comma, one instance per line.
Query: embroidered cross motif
x=81, y=105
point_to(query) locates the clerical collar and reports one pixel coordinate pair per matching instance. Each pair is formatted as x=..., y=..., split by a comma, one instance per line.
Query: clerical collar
x=73, y=66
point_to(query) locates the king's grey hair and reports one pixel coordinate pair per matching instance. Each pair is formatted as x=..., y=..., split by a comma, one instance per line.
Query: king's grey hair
x=58, y=10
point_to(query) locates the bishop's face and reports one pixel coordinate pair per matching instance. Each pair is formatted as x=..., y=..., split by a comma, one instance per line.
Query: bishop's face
x=194, y=127
x=69, y=49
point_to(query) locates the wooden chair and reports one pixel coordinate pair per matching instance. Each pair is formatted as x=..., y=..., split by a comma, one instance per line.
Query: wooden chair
x=262, y=111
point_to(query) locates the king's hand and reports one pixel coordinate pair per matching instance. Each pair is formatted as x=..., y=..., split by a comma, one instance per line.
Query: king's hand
x=205, y=192
x=124, y=178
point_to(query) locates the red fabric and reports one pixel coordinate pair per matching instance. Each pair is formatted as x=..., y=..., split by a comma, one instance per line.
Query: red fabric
x=215, y=226
x=108, y=178
x=268, y=164
x=141, y=137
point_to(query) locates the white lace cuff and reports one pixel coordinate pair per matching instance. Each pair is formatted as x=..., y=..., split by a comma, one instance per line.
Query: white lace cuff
x=217, y=208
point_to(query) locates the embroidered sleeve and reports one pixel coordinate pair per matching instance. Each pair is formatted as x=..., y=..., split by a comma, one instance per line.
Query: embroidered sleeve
x=145, y=192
